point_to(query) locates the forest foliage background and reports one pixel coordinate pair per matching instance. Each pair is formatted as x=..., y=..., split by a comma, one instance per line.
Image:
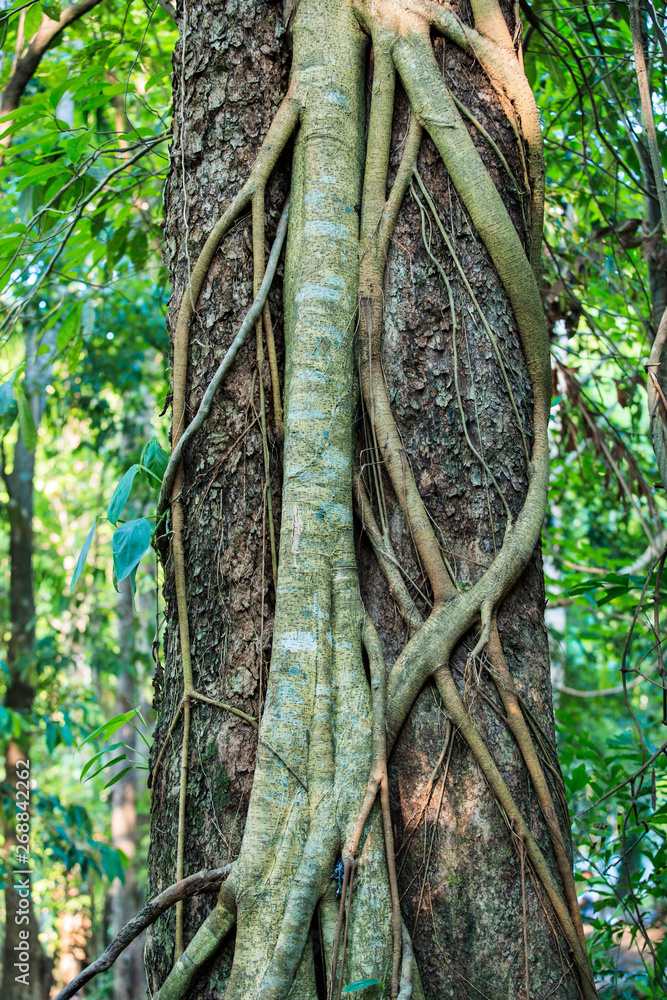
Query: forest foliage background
x=84, y=376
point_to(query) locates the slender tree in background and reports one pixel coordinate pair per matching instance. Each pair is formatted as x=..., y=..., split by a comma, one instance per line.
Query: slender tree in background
x=19, y=483
x=406, y=612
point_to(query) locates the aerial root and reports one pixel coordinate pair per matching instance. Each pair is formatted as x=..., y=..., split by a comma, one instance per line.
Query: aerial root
x=371, y=641
x=486, y=613
x=310, y=882
x=498, y=669
x=258, y=227
x=377, y=226
x=193, y=885
x=279, y=133
x=496, y=54
x=461, y=718
x=342, y=925
x=207, y=400
x=250, y=719
x=470, y=177
x=385, y=555
x=203, y=946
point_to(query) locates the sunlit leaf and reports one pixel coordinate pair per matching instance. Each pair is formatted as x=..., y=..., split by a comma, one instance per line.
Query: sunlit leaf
x=129, y=544
x=80, y=563
x=120, y=495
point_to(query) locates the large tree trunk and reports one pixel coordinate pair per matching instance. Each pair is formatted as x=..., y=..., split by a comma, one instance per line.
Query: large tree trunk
x=236, y=69
x=476, y=910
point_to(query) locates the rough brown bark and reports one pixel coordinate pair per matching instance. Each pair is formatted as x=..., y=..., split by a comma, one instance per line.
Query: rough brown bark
x=236, y=70
x=469, y=937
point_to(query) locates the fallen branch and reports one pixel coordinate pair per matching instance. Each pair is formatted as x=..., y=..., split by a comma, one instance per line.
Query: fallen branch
x=193, y=885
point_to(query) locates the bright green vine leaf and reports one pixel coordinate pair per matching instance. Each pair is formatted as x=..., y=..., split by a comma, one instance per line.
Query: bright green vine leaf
x=120, y=495
x=154, y=458
x=129, y=544
x=83, y=554
x=361, y=984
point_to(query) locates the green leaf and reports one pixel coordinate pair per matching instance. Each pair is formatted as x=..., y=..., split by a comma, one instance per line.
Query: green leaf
x=26, y=419
x=33, y=19
x=111, y=863
x=120, y=494
x=25, y=204
x=155, y=459
x=109, y=728
x=361, y=984
x=6, y=721
x=81, y=561
x=129, y=544
x=74, y=354
x=117, y=777
x=68, y=327
x=52, y=735
x=578, y=779
x=138, y=249
x=8, y=406
x=110, y=763
x=89, y=763
x=76, y=146
x=52, y=9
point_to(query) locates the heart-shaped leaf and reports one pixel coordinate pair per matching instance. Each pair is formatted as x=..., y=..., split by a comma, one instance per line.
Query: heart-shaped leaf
x=129, y=543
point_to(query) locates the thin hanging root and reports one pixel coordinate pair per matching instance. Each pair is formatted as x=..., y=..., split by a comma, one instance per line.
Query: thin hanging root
x=259, y=272
x=485, y=323
x=385, y=556
x=248, y=323
x=430, y=848
x=407, y=964
x=498, y=669
x=348, y=867
x=273, y=366
x=486, y=615
x=350, y=890
x=251, y=720
x=460, y=717
x=180, y=844
x=452, y=309
x=378, y=781
x=417, y=815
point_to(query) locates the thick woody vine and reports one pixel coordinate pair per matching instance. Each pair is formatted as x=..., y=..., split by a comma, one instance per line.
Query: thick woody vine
x=314, y=800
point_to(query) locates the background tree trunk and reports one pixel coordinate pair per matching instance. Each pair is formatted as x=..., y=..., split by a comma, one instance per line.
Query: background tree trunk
x=20, y=662
x=463, y=882
x=129, y=981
